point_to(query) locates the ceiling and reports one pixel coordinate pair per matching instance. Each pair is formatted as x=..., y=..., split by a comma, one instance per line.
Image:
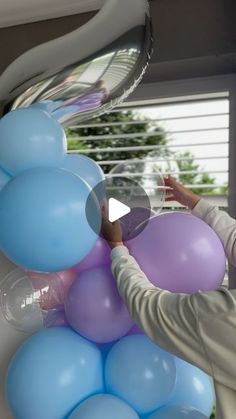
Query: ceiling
x=192, y=38
x=16, y=12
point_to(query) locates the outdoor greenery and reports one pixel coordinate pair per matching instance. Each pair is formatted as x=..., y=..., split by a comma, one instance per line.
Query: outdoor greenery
x=77, y=141
x=121, y=118
x=194, y=179
x=213, y=414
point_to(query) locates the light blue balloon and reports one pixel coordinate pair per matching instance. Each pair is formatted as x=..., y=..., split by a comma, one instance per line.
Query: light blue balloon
x=140, y=373
x=4, y=178
x=103, y=406
x=51, y=373
x=43, y=224
x=193, y=388
x=88, y=170
x=177, y=412
x=30, y=137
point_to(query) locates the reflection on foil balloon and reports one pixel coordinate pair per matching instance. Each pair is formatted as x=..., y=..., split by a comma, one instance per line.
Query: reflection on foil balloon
x=30, y=301
x=86, y=72
x=147, y=176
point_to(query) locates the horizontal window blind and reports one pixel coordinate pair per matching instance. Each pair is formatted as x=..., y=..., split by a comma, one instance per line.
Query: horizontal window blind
x=187, y=139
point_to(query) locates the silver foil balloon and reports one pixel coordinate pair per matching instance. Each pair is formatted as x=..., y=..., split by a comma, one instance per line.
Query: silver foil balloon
x=86, y=72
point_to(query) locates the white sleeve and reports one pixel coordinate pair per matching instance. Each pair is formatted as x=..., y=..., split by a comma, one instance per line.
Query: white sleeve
x=222, y=224
x=170, y=320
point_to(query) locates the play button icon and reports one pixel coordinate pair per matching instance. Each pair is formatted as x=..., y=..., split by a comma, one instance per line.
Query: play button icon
x=117, y=210
x=125, y=200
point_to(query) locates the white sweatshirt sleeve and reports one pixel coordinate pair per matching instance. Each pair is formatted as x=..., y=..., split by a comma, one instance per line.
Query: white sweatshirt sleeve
x=170, y=320
x=199, y=328
x=222, y=224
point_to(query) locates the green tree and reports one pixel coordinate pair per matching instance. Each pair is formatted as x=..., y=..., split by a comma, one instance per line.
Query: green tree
x=224, y=190
x=213, y=415
x=116, y=124
x=191, y=173
x=119, y=124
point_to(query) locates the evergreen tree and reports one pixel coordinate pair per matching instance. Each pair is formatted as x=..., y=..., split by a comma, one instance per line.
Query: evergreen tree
x=127, y=122
x=76, y=138
x=188, y=165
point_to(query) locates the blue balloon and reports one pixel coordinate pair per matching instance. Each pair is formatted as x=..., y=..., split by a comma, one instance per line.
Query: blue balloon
x=193, y=388
x=103, y=406
x=43, y=224
x=177, y=412
x=88, y=170
x=4, y=178
x=105, y=349
x=140, y=373
x=30, y=138
x=51, y=373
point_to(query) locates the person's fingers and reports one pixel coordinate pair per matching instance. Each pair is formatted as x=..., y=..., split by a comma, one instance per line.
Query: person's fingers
x=170, y=198
x=104, y=218
x=167, y=181
x=168, y=189
x=105, y=224
x=170, y=192
x=171, y=183
x=104, y=208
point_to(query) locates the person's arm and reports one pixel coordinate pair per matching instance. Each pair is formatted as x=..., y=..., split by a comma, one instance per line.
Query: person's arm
x=219, y=221
x=170, y=320
x=199, y=328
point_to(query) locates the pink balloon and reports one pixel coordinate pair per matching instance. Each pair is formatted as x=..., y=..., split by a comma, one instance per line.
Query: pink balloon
x=52, y=287
x=94, y=308
x=180, y=253
x=98, y=257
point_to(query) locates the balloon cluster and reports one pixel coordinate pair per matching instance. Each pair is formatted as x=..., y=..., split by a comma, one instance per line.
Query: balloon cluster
x=96, y=365
x=43, y=221
x=58, y=374
x=42, y=207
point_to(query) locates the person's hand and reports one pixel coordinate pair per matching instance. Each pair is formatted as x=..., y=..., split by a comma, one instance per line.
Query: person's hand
x=177, y=192
x=111, y=232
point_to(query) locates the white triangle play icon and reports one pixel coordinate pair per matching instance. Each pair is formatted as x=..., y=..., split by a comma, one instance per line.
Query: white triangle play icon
x=117, y=210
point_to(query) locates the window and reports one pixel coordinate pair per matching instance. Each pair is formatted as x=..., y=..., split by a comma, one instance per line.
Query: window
x=187, y=135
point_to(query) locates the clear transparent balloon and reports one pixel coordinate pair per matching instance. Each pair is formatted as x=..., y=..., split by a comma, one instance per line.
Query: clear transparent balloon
x=148, y=176
x=27, y=299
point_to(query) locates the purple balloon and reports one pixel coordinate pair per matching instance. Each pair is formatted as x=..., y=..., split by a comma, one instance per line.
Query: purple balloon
x=98, y=257
x=94, y=308
x=180, y=253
